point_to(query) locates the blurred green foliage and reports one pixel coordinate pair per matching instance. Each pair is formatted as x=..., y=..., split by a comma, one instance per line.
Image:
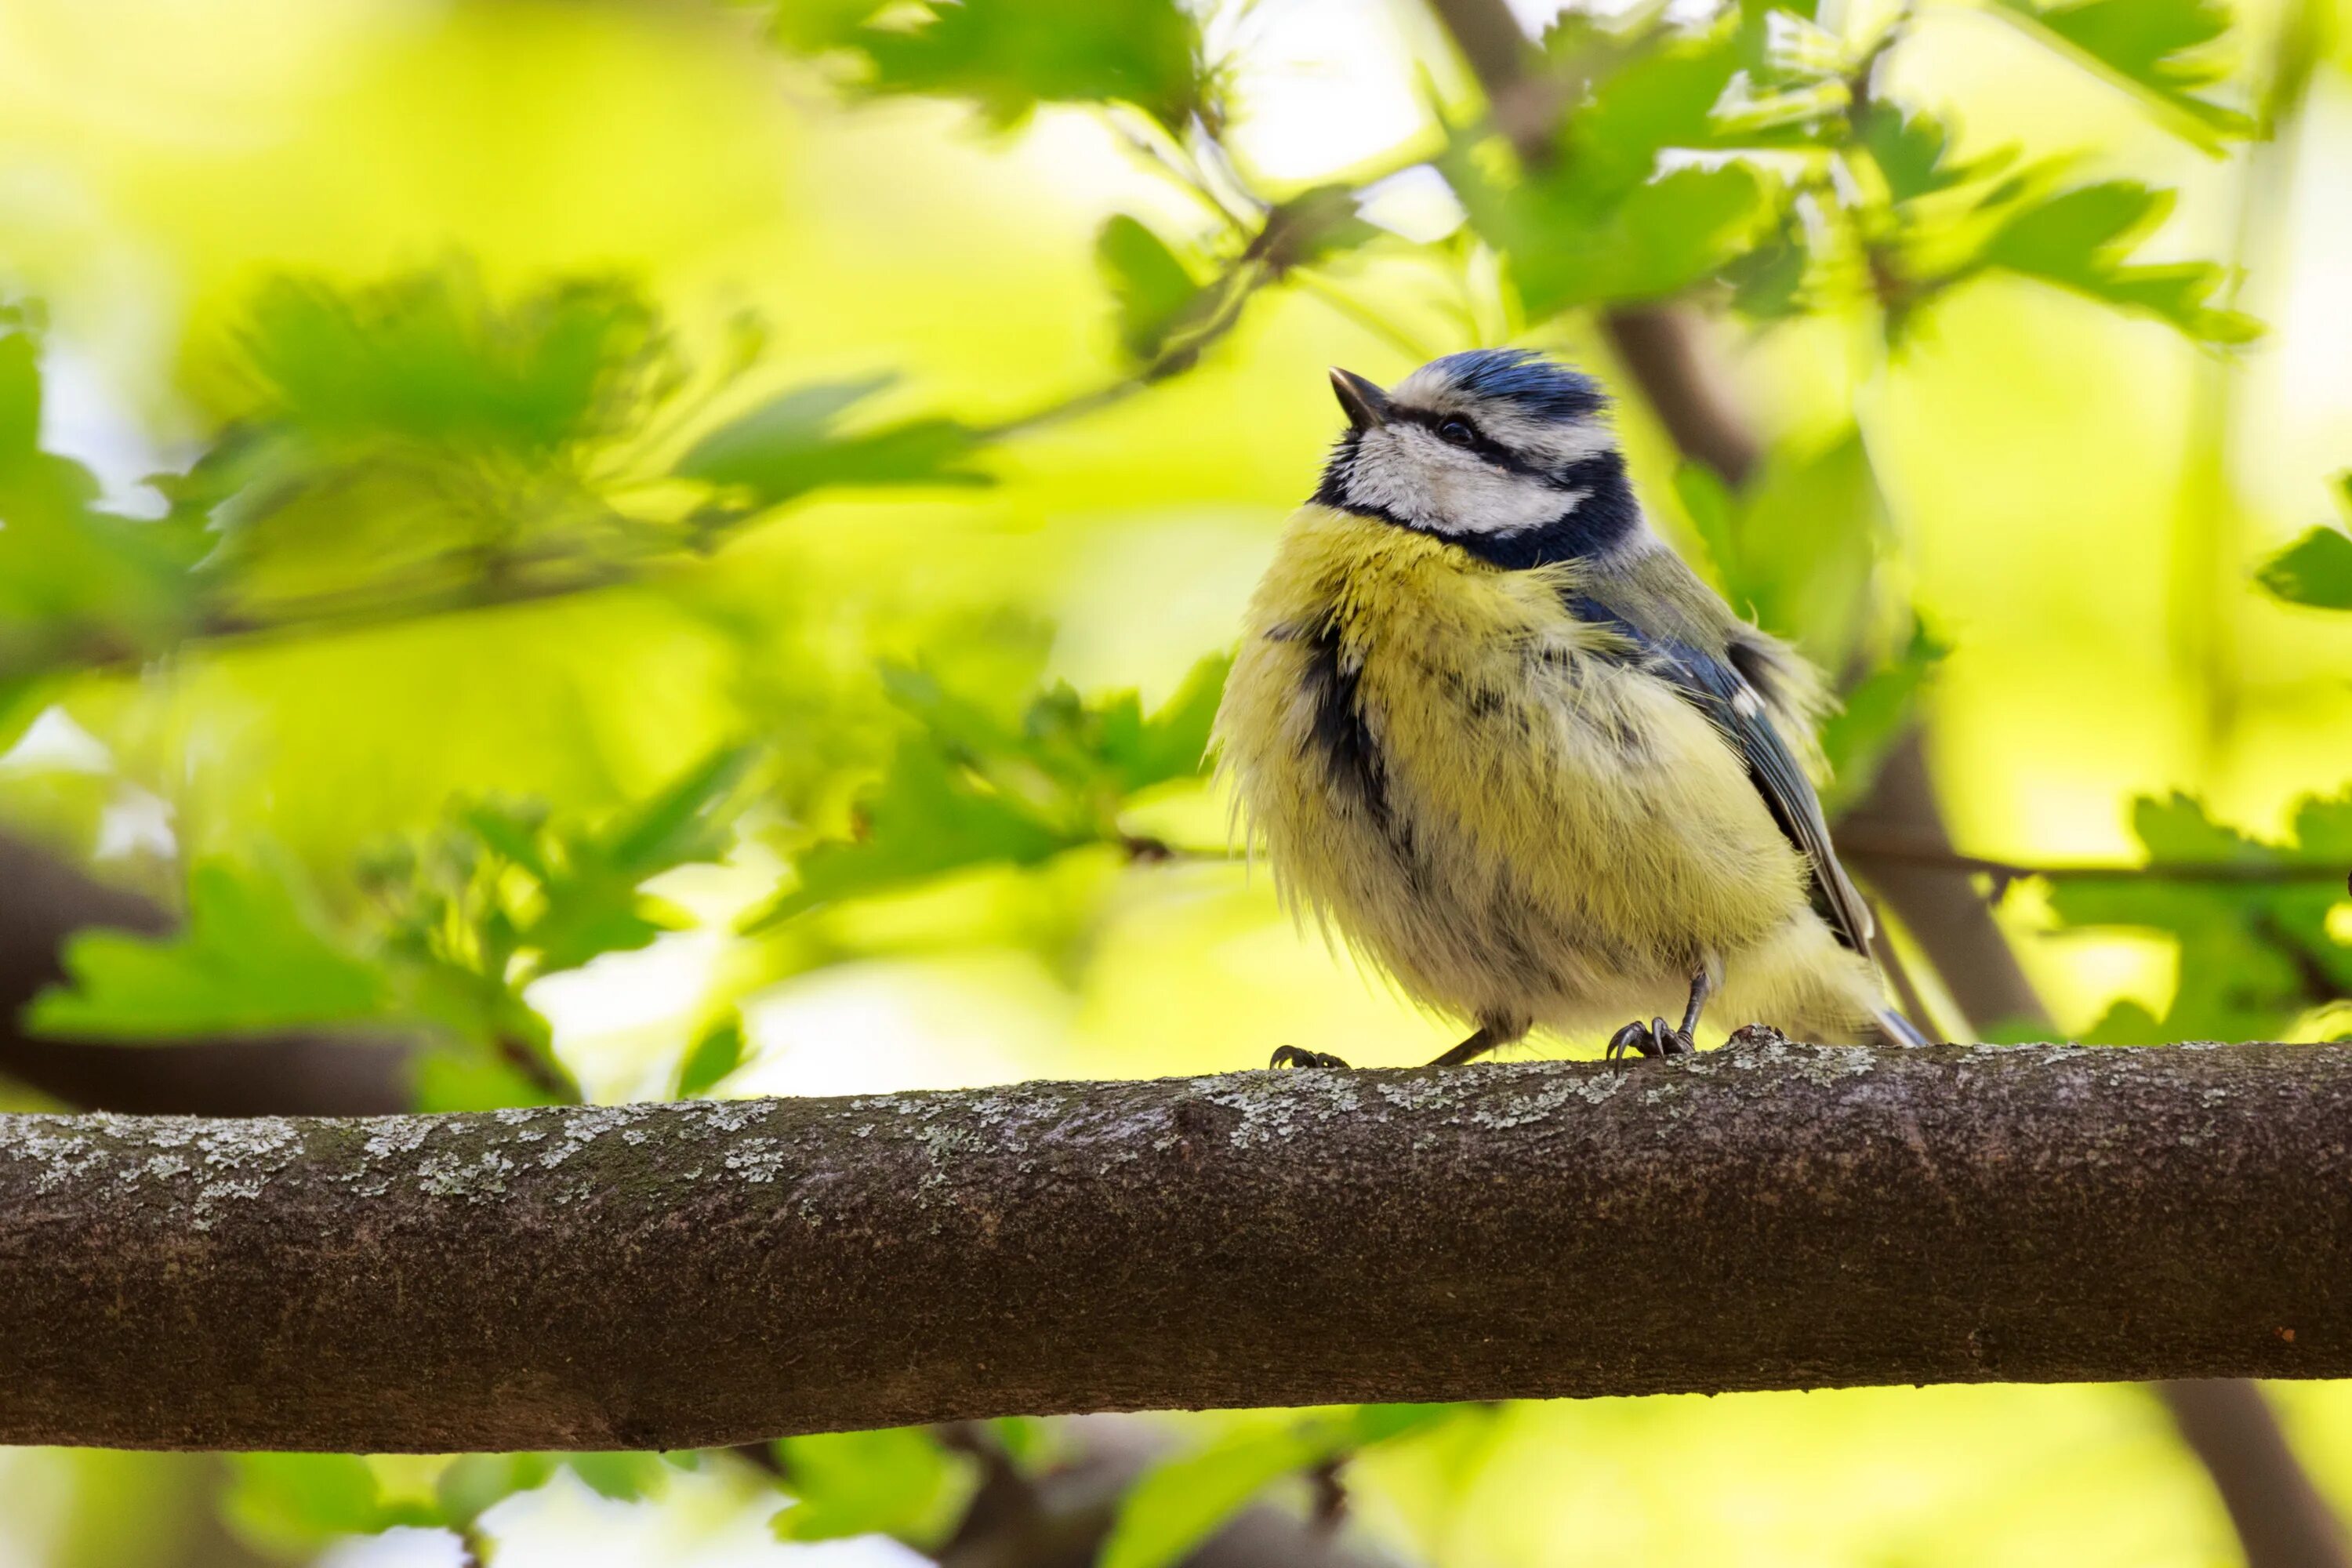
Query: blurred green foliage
x=460, y=466
x=898, y=1482
x=968, y=788
x=78, y=582
x=291, y=1505
x=455, y=930
x=2163, y=50
x=1182, y=1501
x=2258, y=956
x=1010, y=55
x=2315, y=570
x=248, y=958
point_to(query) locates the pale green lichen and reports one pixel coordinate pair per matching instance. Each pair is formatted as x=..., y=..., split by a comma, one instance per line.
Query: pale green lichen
x=757, y=1160
x=449, y=1175
x=1546, y=1103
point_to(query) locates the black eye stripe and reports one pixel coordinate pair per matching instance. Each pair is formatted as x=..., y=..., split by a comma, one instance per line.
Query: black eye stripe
x=1480, y=443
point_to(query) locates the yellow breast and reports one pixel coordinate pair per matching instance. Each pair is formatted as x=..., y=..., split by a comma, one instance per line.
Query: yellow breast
x=1436, y=755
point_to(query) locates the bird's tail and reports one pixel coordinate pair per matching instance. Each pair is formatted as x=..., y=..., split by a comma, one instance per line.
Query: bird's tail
x=1900, y=1030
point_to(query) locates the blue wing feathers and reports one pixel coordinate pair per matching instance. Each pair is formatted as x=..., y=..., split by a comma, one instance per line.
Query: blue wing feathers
x=1714, y=685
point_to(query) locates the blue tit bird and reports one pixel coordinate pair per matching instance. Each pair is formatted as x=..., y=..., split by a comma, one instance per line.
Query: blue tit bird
x=1489, y=726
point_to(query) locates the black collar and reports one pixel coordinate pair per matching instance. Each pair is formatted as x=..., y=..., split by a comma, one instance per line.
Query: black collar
x=1604, y=513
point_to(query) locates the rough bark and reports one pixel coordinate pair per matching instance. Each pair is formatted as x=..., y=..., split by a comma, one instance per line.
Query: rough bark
x=1765, y=1216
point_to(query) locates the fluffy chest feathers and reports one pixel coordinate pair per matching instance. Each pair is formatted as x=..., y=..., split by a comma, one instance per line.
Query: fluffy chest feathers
x=1484, y=790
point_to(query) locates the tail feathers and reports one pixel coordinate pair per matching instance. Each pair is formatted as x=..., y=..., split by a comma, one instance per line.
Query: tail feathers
x=1899, y=1030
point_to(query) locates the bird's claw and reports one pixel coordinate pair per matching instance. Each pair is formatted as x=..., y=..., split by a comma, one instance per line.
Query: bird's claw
x=1299, y=1057
x=1651, y=1040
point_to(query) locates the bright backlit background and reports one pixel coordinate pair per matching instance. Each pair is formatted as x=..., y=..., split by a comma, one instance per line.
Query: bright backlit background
x=2078, y=500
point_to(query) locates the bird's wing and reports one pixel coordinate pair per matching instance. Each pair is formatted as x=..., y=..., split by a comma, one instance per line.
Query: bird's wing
x=1739, y=683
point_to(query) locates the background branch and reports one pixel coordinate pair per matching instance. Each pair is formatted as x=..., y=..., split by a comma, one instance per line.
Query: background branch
x=48, y=901
x=2281, y=1518
x=1769, y=1215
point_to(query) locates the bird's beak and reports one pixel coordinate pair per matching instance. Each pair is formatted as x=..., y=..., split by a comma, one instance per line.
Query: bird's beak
x=1366, y=404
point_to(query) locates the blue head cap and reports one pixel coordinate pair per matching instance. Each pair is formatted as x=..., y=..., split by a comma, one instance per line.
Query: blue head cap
x=1531, y=384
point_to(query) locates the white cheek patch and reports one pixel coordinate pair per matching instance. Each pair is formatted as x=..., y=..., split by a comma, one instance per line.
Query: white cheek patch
x=1408, y=473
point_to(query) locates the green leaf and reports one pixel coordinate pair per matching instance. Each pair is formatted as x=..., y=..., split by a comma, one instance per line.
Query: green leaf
x=1155, y=292
x=248, y=960
x=504, y=895
x=591, y=903
x=815, y=25
x=2315, y=570
x=1171, y=743
x=788, y=446
x=1603, y=218
x=2162, y=51
x=1874, y=714
x=431, y=357
x=294, y=1504
x=684, y=822
x=453, y=1078
x=1660, y=238
x=1797, y=547
x=930, y=816
x=1310, y=227
x=969, y=789
x=78, y=584
x=2256, y=957
x=898, y=1482
x=1713, y=514
x=427, y=441
x=2126, y=1024
x=803, y=414
x=2079, y=239
x=2323, y=828
x=1010, y=55
x=473, y=1484
x=2177, y=830
x=1183, y=1501
x=621, y=1475
x=718, y=1052
x=1767, y=283
x=1650, y=91
x=2067, y=235
x=1913, y=149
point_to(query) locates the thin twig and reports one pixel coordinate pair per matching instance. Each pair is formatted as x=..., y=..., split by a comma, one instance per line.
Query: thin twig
x=1868, y=843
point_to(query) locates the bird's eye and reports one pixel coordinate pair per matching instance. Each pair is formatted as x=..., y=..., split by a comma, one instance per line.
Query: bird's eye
x=1456, y=433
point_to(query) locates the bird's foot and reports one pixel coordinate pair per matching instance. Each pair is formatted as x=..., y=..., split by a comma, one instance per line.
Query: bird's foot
x=1651, y=1040
x=1298, y=1057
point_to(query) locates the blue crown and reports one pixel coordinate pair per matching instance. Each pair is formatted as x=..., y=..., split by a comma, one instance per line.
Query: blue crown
x=1535, y=382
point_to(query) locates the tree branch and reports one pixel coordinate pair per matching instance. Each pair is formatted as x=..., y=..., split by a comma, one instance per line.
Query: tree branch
x=1765, y=1216
x=2281, y=1518
x=1867, y=842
